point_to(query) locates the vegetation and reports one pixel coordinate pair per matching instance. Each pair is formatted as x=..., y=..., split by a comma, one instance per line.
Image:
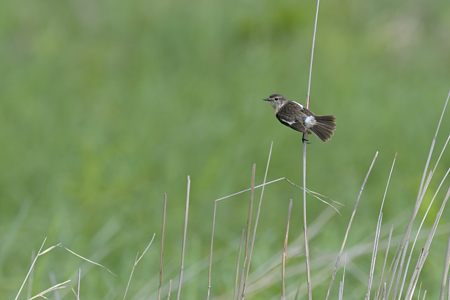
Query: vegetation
x=106, y=106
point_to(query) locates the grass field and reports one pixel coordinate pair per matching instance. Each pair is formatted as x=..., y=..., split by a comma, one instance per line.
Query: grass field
x=105, y=106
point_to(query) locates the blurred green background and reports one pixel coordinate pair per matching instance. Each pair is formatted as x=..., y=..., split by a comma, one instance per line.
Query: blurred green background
x=106, y=105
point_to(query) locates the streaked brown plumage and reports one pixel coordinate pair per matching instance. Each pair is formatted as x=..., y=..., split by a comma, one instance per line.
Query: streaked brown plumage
x=299, y=118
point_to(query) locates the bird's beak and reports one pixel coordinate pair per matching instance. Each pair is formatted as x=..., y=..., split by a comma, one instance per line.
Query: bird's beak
x=266, y=99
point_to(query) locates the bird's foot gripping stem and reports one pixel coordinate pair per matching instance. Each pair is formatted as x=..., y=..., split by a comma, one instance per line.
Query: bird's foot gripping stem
x=304, y=139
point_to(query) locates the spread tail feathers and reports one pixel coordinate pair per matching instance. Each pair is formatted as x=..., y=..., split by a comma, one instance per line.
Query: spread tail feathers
x=324, y=127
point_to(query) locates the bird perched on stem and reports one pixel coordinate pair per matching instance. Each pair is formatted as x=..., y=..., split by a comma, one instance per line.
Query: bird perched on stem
x=294, y=115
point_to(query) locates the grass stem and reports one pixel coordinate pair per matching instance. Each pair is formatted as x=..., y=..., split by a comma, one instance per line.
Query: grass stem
x=183, y=245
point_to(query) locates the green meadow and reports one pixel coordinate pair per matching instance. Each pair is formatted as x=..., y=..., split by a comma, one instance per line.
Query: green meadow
x=107, y=105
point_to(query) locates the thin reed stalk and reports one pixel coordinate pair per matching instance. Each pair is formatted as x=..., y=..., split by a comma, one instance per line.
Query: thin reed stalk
x=246, y=264
x=238, y=262
x=419, y=293
x=386, y=255
x=136, y=262
x=269, y=271
x=377, y=232
x=426, y=178
x=445, y=273
x=425, y=250
x=314, y=194
x=33, y=263
x=211, y=249
x=374, y=255
x=285, y=253
x=308, y=98
x=78, y=284
x=338, y=258
x=305, y=229
x=313, y=47
x=58, y=286
x=341, y=285
x=418, y=231
x=258, y=211
x=161, y=252
x=183, y=245
x=85, y=259
x=30, y=280
x=170, y=290
x=249, y=189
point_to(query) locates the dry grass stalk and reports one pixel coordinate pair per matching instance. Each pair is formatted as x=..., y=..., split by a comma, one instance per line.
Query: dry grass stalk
x=424, y=183
x=420, y=291
x=445, y=273
x=338, y=258
x=419, y=229
x=170, y=290
x=314, y=194
x=386, y=255
x=258, y=211
x=440, y=154
x=255, y=226
x=183, y=246
x=405, y=245
x=30, y=280
x=308, y=98
x=246, y=264
x=58, y=286
x=374, y=255
x=377, y=232
x=285, y=251
x=238, y=262
x=269, y=272
x=53, y=281
x=318, y=196
x=426, y=249
x=211, y=249
x=33, y=263
x=86, y=259
x=305, y=228
x=136, y=262
x=78, y=284
x=161, y=255
x=249, y=189
x=341, y=285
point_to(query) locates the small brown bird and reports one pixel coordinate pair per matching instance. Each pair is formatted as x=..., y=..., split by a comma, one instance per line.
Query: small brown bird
x=294, y=115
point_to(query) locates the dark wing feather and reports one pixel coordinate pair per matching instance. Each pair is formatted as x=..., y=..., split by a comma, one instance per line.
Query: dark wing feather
x=293, y=115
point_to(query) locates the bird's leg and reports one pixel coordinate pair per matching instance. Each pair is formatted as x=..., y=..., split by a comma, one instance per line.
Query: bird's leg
x=304, y=140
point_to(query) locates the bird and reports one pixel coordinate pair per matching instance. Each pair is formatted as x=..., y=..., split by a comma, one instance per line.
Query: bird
x=299, y=118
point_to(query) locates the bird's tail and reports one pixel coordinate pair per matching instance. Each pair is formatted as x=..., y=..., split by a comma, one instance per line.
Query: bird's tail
x=324, y=127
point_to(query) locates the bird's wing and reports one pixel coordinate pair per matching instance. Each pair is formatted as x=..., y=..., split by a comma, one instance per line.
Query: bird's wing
x=303, y=109
x=293, y=115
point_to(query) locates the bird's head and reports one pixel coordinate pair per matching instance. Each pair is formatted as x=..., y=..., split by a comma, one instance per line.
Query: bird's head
x=276, y=100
